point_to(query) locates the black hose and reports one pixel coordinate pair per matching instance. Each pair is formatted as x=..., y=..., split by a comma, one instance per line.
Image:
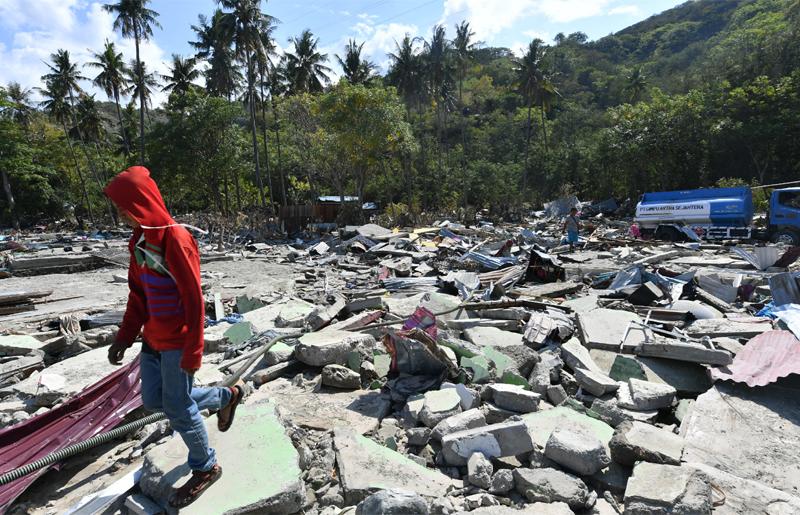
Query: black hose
x=78, y=448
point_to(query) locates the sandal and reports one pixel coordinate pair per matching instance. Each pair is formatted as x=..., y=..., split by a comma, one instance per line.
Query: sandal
x=194, y=487
x=225, y=415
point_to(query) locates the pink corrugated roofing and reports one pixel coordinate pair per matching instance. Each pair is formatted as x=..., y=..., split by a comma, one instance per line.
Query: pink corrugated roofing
x=95, y=410
x=766, y=358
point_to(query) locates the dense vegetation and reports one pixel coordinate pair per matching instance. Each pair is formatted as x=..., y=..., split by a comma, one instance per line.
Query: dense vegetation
x=704, y=93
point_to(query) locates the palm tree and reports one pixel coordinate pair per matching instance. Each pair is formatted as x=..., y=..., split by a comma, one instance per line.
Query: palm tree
x=215, y=44
x=464, y=47
x=135, y=20
x=529, y=78
x=278, y=86
x=112, y=80
x=56, y=106
x=89, y=119
x=181, y=75
x=244, y=25
x=141, y=85
x=406, y=70
x=20, y=98
x=304, y=66
x=635, y=85
x=356, y=70
x=437, y=68
x=264, y=62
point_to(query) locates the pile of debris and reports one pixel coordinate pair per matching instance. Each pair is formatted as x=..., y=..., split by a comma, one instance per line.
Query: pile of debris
x=453, y=369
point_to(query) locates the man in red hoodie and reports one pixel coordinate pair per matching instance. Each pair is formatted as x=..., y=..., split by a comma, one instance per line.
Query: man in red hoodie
x=166, y=304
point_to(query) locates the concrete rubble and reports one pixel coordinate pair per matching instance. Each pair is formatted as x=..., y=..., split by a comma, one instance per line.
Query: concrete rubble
x=440, y=370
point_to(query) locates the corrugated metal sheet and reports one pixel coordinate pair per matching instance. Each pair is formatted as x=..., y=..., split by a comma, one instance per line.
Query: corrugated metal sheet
x=95, y=410
x=766, y=358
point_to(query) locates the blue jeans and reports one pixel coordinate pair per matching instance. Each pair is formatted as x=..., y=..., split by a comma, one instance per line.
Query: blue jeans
x=572, y=237
x=166, y=387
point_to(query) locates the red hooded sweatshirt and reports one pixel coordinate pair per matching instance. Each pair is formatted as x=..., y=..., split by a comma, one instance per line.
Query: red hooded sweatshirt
x=164, y=273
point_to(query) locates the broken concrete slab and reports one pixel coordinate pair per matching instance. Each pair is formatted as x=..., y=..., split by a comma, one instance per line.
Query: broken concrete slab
x=439, y=405
x=469, y=419
x=513, y=398
x=331, y=347
x=550, y=485
x=366, y=467
x=667, y=489
x=325, y=409
x=683, y=351
x=19, y=344
x=605, y=329
x=577, y=451
x=746, y=495
x=596, y=383
x=494, y=441
x=556, y=394
x=536, y=508
x=262, y=444
x=736, y=328
x=492, y=337
x=287, y=314
x=576, y=356
x=68, y=377
x=637, y=441
x=759, y=423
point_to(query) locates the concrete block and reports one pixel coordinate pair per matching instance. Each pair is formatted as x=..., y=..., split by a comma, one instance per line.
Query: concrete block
x=637, y=441
x=418, y=436
x=576, y=356
x=556, y=394
x=542, y=424
x=514, y=398
x=366, y=467
x=479, y=471
x=596, y=383
x=337, y=376
x=502, y=482
x=494, y=441
x=138, y=504
x=612, y=414
x=605, y=329
x=392, y=502
x=331, y=347
x=439, y=405
x=645, y=396
x=260, y=444
x=667, y=489
x=469, y=398
x=577, y=451
x=469, y=419
x=549, y=485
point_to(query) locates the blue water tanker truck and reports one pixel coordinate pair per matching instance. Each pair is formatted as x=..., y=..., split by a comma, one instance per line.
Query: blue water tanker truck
x=718, y=214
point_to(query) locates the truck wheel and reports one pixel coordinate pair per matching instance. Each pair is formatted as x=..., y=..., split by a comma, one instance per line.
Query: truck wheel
x=787, y=236
x=668, y=234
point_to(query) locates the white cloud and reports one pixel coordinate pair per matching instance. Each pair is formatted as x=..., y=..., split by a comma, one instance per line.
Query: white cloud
x=538, y=34
x=631, y=10
x=379, y=40
x=489, y=18
x=41, y=27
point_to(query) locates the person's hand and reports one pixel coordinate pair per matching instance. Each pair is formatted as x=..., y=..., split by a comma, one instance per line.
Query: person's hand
x=190, y=371
x=116, y=352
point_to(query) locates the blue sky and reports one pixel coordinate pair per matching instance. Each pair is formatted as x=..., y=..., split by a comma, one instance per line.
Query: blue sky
x=30, y=30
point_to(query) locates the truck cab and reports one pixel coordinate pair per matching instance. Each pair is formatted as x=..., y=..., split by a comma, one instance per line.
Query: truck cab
x=784, y=216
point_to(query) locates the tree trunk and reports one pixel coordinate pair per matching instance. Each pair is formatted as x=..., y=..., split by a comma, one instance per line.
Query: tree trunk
x=251, y=99
x=544, y=129
x=141, y=95
x=80, y=175
x=89, y=159
x=278, y=146
x=122, y=125
x=266, y=142
x=10, y=199
x=527, y=150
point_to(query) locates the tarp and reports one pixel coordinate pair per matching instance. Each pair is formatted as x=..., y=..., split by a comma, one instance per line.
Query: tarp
x=97, y=409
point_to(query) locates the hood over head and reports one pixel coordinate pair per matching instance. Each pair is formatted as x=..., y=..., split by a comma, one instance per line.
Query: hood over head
x=134, y=191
